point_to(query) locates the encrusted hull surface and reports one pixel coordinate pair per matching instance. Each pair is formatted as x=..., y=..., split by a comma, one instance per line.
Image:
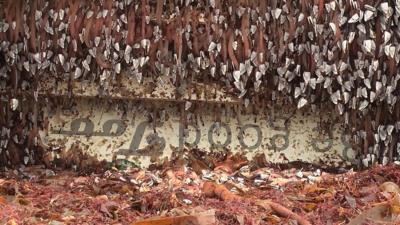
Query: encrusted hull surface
x=325, y=71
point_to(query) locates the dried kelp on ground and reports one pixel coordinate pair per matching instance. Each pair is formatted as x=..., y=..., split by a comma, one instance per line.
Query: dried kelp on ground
x=178, y=195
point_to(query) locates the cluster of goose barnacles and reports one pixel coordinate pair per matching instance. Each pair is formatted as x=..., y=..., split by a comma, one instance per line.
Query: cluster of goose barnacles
x=340, y=53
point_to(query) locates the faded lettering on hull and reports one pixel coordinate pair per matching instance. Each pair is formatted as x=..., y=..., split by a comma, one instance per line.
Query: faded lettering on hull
x=106, y=131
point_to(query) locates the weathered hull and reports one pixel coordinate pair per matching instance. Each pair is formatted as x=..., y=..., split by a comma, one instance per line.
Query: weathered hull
x=332, y=65
x=146, y=128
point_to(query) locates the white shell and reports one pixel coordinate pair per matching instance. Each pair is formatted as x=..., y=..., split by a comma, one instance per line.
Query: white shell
x=302, y=102
x=14, y=104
